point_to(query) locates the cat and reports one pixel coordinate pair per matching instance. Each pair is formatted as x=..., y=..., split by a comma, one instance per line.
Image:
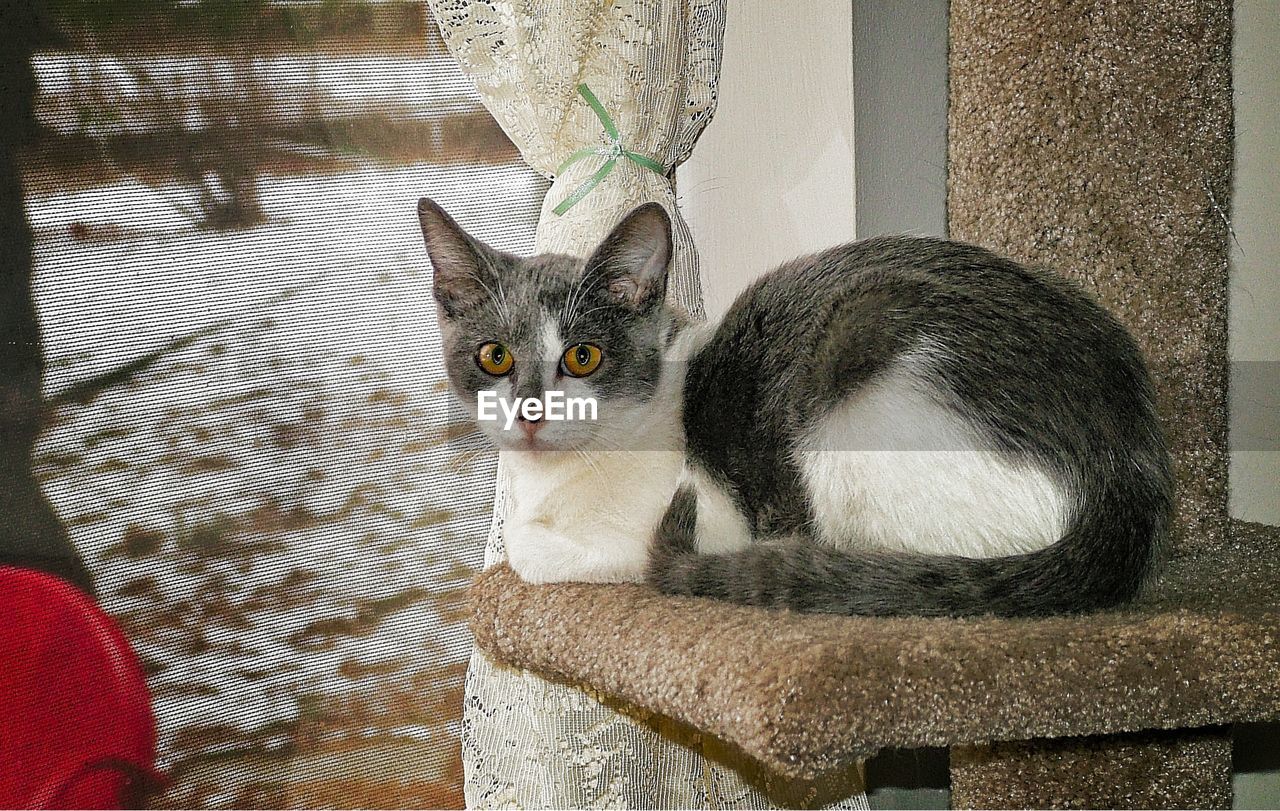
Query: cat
x=586, y=494
x=898, y=426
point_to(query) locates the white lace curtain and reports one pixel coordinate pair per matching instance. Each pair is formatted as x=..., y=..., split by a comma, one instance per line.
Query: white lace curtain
x=653, y=66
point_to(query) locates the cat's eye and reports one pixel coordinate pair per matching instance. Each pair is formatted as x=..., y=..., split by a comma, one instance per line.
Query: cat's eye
x=494, y=359
x=581, y=360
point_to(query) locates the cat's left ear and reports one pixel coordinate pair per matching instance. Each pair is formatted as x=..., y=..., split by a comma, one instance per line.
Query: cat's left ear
x=630, y=266
x=462, y=275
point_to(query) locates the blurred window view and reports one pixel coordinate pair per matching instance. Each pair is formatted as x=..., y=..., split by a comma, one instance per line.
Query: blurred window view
x=249, y=437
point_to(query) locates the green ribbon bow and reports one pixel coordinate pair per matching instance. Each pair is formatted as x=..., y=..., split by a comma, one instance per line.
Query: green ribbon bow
x=612, y=153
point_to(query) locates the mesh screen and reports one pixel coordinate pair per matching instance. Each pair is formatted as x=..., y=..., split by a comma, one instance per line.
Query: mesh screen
x=250, y=443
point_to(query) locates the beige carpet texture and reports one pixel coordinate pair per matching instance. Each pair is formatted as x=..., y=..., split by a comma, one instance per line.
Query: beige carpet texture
x=1143, y=770
x=1094, y=138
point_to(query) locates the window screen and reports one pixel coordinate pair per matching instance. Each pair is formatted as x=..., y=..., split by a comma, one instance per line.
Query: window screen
x=249, y=440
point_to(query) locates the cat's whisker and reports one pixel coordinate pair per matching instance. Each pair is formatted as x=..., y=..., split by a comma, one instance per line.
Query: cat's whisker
x=610, y=445
x=499, y=304
x=586, y=457
x=461, y=461
x=502, y=292
x=588, y=278
x=589, y=312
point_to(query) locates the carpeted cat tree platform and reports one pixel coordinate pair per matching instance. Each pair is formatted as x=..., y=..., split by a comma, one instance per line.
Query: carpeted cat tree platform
x=1095, y=138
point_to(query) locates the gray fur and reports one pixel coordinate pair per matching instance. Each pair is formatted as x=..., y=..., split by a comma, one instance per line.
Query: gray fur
x=611, y=300
x=1050, y=375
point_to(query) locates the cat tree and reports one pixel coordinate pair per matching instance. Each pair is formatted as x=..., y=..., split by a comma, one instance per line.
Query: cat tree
x=1096, y=139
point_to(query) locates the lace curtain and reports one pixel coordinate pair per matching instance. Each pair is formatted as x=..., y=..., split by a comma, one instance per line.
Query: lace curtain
x=654, y=66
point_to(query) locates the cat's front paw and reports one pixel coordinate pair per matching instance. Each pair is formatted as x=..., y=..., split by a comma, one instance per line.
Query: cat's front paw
x=542, y=555
x=534, y=554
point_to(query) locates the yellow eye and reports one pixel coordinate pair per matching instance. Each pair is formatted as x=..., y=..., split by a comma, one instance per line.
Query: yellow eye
x=494, y=359
x=581, y=360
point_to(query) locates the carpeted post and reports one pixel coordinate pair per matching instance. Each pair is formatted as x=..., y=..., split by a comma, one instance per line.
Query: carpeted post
x=1095, y=137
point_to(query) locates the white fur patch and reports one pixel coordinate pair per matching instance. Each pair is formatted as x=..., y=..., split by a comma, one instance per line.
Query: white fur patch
x=552, y=344
x=589, y=516
x=721, y=525
x=893, y=467
x=587, y=520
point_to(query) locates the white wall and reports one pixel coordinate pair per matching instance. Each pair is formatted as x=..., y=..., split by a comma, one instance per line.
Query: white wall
x=772, y=176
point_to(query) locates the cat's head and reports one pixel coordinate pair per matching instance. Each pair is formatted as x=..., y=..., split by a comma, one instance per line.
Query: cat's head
x=554, y=327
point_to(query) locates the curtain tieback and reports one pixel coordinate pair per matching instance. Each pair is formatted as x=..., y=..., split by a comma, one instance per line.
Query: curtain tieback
x=611, y=153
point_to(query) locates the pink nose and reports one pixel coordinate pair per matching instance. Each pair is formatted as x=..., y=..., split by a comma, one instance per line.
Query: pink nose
x=530, y=427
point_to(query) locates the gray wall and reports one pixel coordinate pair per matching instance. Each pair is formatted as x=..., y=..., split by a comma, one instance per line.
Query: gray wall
x=1255, y=329
x=1255, y=280
x=900, y=116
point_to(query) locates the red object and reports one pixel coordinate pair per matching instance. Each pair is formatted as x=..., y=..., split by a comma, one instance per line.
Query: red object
x=76, y=728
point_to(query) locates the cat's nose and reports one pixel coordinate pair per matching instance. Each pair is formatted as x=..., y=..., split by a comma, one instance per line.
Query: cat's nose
x=530, y=427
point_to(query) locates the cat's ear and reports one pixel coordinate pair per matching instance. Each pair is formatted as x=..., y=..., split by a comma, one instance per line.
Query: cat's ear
x=463, y=274
x=630, y=266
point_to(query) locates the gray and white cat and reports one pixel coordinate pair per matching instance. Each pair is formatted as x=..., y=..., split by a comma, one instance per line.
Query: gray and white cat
x=896, y=426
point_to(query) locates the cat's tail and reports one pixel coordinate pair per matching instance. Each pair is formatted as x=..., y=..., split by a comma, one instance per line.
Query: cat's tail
x=1102, y=561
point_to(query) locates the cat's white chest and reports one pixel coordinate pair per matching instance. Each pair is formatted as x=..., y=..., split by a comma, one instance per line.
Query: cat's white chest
x=586, y=518
x=589, y=516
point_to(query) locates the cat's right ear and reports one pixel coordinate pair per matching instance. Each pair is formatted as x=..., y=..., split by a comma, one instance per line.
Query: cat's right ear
x=631, y=264
x=463, y=273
